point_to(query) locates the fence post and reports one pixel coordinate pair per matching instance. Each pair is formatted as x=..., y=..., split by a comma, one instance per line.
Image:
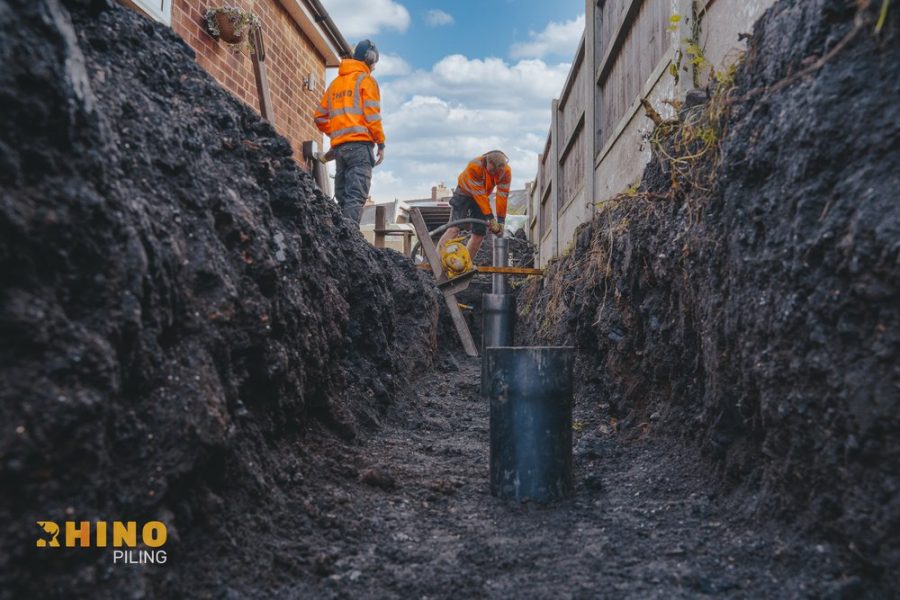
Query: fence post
x=538, y=213
x=557, y=176
x=590, y=116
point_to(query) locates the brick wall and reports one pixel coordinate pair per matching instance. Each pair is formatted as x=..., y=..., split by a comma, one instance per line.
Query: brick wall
x=290, y=58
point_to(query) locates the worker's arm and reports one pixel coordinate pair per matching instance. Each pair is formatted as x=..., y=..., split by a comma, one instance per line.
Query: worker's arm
x=322, y=116
x=371, y=100
x=472, y=181
x=503, y=193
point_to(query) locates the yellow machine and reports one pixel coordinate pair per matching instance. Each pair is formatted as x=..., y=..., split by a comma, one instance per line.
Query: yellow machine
x=455, y=258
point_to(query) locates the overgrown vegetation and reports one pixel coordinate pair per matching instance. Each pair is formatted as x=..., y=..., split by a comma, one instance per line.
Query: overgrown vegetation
x=568, y=282
x=232, y=25
x=689, y=144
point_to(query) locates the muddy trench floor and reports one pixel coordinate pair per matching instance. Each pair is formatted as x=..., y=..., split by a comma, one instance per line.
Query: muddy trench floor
x=407, y=513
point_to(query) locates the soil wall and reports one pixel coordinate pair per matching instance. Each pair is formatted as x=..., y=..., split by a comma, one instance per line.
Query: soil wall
x=761, y=317
x=178, y=302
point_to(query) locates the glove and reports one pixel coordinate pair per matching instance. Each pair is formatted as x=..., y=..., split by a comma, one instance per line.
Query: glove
x=495, y=227
x=379, y=157
x=328, y=156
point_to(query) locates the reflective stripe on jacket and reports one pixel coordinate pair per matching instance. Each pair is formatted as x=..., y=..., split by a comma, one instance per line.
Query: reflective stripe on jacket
x=350, y=110
x=478, y=183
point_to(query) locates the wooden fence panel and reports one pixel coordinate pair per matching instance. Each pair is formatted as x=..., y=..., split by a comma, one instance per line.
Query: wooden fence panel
x=546, y=214
x=574, y=99
x=643, y=46
x=546, y=167
x=572, y=169
x=610, y=16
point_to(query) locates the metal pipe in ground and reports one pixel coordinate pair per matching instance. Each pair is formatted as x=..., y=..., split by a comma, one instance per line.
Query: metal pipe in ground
x=498, y=324
x=501, y=253
x=530, y=395
x=498, y=320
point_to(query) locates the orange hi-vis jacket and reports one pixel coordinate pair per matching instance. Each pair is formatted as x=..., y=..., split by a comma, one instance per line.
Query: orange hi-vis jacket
x=350, y=110
x=478, y=183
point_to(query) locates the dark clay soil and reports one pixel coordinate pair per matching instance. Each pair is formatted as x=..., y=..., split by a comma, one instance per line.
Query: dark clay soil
x=192, y=334
x=408, y=514
x=178, y=302
x=760, y=318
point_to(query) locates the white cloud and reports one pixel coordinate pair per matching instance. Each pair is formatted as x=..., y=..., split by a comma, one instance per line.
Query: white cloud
x=437, y=18
x=390, y=65
x=358, y=20
x=488, y=82
x=437, y=120
x=556, y=39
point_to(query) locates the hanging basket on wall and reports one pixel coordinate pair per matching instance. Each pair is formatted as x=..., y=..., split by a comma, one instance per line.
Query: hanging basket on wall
x=231, y=25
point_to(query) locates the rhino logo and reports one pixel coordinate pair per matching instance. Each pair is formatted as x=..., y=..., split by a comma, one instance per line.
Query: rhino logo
x=51, y=529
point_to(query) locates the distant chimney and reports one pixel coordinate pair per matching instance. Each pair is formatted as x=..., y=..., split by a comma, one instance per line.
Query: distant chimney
x=440, y=191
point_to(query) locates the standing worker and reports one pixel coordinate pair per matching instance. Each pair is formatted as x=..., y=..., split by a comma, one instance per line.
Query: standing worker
x=350, y=114
x=471, y=198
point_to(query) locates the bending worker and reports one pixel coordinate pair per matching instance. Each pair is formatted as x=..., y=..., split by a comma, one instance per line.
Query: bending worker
x=471, y=198
x=350, y=114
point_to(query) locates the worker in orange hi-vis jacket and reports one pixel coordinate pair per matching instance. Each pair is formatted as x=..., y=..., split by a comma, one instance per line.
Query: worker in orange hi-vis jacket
x=350, y=114
x=471, y=198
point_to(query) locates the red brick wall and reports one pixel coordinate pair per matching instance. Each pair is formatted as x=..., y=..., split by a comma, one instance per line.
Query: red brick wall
x=290, y=58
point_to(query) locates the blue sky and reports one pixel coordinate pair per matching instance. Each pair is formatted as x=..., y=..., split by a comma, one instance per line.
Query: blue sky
x=460, y=78
x=478, y=29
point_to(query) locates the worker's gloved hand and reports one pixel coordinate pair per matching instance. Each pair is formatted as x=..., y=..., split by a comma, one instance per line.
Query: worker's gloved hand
x=328, y=156
x=495, y=227
x=379, y=156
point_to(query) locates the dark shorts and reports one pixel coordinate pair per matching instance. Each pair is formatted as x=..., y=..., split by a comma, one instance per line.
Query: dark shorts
x=465, y=207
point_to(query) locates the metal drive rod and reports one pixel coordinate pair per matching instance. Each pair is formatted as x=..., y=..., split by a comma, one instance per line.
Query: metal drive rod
x=530, y=395
x=498, y=281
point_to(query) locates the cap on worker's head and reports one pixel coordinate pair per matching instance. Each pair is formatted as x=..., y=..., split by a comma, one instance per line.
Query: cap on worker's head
x=498, y=158
x=366, y=52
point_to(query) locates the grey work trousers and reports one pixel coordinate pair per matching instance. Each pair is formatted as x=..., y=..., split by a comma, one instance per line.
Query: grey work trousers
x=353, y=177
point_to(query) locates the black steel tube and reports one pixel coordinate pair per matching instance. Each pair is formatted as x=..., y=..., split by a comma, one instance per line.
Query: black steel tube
x=530, y=394
x=498, y=319
x=498, y=323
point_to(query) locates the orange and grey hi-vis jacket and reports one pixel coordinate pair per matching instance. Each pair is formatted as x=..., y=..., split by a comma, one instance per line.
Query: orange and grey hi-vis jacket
x=350, y=110
x=478, y=183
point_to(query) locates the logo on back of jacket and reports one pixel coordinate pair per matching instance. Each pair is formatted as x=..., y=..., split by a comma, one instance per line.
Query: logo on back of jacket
x=344, y=94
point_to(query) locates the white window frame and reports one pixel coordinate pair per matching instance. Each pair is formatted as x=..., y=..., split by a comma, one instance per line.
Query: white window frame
x=159, y=10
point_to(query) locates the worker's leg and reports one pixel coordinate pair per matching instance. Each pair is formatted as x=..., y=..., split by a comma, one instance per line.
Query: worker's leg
x=459, y=209
x=357, y=161
x=478, y=232
x=451, y=233
x=474, y=244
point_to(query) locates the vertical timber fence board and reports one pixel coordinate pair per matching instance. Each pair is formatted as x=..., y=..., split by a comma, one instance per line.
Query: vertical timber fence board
x=557, y=184
x=536, y=203
x=590, y=105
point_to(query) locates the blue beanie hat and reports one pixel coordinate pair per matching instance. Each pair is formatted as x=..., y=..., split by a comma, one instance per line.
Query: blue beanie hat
x=366, y=52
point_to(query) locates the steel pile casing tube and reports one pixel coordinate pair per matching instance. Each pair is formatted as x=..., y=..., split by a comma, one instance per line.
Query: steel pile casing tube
x=498, y=324
x=530, y=395
x=498, y=320
x=498, y=281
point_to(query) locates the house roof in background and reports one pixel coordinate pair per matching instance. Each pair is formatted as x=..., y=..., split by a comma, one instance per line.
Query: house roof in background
x=317, y=24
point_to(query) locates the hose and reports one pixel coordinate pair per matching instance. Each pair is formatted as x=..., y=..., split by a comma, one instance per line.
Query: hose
x=442, y=229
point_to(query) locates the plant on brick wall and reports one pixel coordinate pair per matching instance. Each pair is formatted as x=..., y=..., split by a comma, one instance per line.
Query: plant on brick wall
x=232, y=25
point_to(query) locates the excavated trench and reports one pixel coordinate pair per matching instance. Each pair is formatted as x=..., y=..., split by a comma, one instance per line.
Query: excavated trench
x=191, y=334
